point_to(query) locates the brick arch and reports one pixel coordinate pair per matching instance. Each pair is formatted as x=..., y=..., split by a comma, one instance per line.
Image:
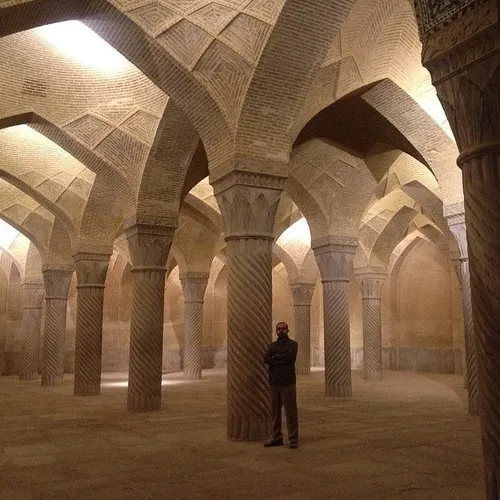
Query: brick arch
x=309, y=206
x=42, y=200
x=122, y=33
x=405, y=126
x=340, y=184
x=101, y=220
x=12, y=262
x=28, y=233
x=122, y=190
x=164, y=174
x=294, y=52
x=205, y=210
x=197, y=239
x=376, y=246
x=436, y=149
x=60, y=249
x=102, y=213
x=287, y=260
x=404, y=248
x=33, y=263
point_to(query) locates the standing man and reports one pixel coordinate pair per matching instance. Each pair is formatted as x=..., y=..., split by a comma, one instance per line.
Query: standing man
x=280, y=358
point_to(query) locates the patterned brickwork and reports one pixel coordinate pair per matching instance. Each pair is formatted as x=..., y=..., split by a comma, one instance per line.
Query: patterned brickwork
x=339, y=184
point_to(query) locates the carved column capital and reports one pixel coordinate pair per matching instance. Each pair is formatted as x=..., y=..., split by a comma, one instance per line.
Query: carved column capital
x=463, y=58
x=149, y=246
x=91, y=269
x=33, y=292
x=334, y=255
x=57, y=282
x=194, y=286
x=371, y=283
x=302, y=293
x=248, y=203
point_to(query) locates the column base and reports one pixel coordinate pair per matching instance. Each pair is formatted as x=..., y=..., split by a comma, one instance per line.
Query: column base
x=143, y=402
x=89, y=389
x=51, y=380
x=192, y=375
x=373, y=376
x=339, y=391
x=248, y=428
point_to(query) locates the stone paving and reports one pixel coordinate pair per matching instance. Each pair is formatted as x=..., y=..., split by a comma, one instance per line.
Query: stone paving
x=408, y=438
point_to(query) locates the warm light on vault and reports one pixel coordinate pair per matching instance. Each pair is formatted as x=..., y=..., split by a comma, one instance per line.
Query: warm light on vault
x=74, y=40
x=297, y=232
x=7, y=235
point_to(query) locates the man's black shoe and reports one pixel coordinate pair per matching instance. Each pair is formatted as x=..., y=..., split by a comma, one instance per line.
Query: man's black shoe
x=294, y=445
x=273, y=442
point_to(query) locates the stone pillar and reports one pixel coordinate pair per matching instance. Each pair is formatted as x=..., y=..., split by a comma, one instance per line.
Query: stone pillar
x=371, y=284
x=456, y=222
x=463, y=57
x=91, y=270
x=149, y=247
x=334, y=256
x=248, y=203
x=57, y=288
x=302, y=294
x=32, y=317
x=194, y=286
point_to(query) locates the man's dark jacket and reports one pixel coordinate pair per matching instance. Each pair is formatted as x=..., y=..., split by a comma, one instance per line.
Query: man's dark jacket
x=280, y=357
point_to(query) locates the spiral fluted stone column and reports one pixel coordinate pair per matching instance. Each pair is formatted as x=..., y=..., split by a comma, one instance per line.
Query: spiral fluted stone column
x=149, y=247
x=248, y=203
x=334, y=256
x=91, y=270
x=302, y=294
x=463, y=58
x=371, y=284
x=456, y=220
x=32, y=317
x=194, y=286
x=57, y=284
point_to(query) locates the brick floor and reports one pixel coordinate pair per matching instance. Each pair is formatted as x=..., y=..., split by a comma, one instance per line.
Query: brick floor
x=408, y=437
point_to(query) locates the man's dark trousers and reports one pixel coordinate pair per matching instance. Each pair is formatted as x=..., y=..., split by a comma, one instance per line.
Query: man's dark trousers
x=287, y=397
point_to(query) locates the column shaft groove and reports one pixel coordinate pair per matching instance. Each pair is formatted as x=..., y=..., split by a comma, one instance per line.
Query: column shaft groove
x=303, y=337
x=193, y=346
x=372, y=339
x=53, y=342
x=337, y=339
x=249, y=334
x=146, y=340
x=88, y=344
